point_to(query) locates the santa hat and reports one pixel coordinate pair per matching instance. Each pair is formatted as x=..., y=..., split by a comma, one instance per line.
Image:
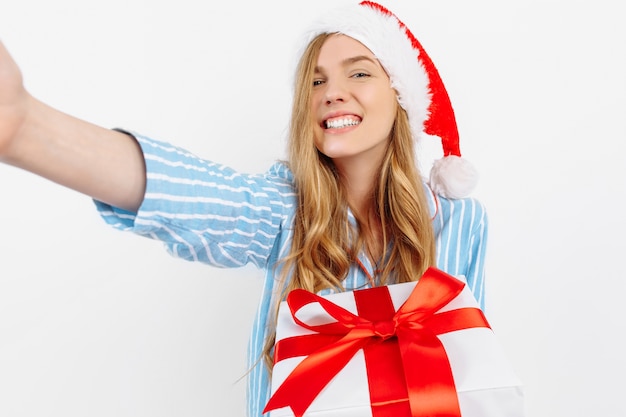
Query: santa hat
x=421, y=92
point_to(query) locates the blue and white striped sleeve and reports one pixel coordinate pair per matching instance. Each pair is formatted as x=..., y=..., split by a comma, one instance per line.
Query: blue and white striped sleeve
x=203, y=211
x=477, y=250
x=461, y=229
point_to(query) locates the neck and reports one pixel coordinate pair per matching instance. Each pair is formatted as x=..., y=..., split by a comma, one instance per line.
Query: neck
x=360, y=184
x=359, y=181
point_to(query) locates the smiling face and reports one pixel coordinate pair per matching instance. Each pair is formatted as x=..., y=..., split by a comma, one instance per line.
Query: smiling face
x=353, y=103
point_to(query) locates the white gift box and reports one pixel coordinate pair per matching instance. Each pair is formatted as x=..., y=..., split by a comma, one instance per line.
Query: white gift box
x=482, y=380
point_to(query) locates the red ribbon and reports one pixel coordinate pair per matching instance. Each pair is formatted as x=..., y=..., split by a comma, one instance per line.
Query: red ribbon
x=407, y=365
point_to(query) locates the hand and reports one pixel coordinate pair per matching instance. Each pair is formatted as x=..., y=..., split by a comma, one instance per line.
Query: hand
x=13, y=100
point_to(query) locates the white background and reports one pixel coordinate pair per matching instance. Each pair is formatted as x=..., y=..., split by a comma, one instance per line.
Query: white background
x=96, y=322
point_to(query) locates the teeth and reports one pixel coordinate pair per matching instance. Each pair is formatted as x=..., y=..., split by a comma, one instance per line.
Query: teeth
x=339, y=123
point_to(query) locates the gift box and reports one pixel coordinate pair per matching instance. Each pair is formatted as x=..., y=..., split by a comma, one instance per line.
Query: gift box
x=416, y=349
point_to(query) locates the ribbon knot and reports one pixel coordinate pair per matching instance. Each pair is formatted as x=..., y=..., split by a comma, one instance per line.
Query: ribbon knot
x=384, y=329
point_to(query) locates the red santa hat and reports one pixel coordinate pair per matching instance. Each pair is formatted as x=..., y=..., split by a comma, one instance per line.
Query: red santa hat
x=421, y=92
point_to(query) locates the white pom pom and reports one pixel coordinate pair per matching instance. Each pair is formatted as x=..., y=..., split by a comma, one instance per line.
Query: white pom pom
x=453, y=177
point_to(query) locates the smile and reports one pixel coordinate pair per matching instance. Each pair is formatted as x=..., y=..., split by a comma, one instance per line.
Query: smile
x=341, y=122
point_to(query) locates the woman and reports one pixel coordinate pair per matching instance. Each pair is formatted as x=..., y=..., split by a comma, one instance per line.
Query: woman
x=347, y=210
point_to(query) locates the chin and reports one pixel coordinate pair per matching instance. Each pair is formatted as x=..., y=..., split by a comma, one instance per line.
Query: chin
x=334, y=153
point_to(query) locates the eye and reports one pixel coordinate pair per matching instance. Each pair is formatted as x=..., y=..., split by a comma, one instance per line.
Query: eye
x=317, y=82
x=360, y=75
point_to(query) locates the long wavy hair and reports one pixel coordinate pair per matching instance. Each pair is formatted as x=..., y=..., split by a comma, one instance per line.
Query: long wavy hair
x=324, y=244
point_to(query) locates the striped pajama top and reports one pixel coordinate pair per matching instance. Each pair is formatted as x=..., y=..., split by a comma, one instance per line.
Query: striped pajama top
x=207, y=212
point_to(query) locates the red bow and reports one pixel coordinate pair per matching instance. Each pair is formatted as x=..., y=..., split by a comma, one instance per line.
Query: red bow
x=420, y=383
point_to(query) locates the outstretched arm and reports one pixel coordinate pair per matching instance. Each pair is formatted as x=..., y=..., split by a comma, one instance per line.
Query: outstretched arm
x=101, y=163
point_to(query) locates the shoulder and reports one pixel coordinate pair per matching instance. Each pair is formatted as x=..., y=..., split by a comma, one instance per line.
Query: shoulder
x=280, y=173
x=463, y=212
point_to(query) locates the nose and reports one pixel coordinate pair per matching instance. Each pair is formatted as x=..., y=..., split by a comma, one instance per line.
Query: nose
x=335, y=91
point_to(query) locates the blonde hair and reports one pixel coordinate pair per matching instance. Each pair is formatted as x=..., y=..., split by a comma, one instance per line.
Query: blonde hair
x=324, y=245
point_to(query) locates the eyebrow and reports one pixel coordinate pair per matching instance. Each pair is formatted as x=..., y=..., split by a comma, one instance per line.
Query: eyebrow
x=352, y=60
